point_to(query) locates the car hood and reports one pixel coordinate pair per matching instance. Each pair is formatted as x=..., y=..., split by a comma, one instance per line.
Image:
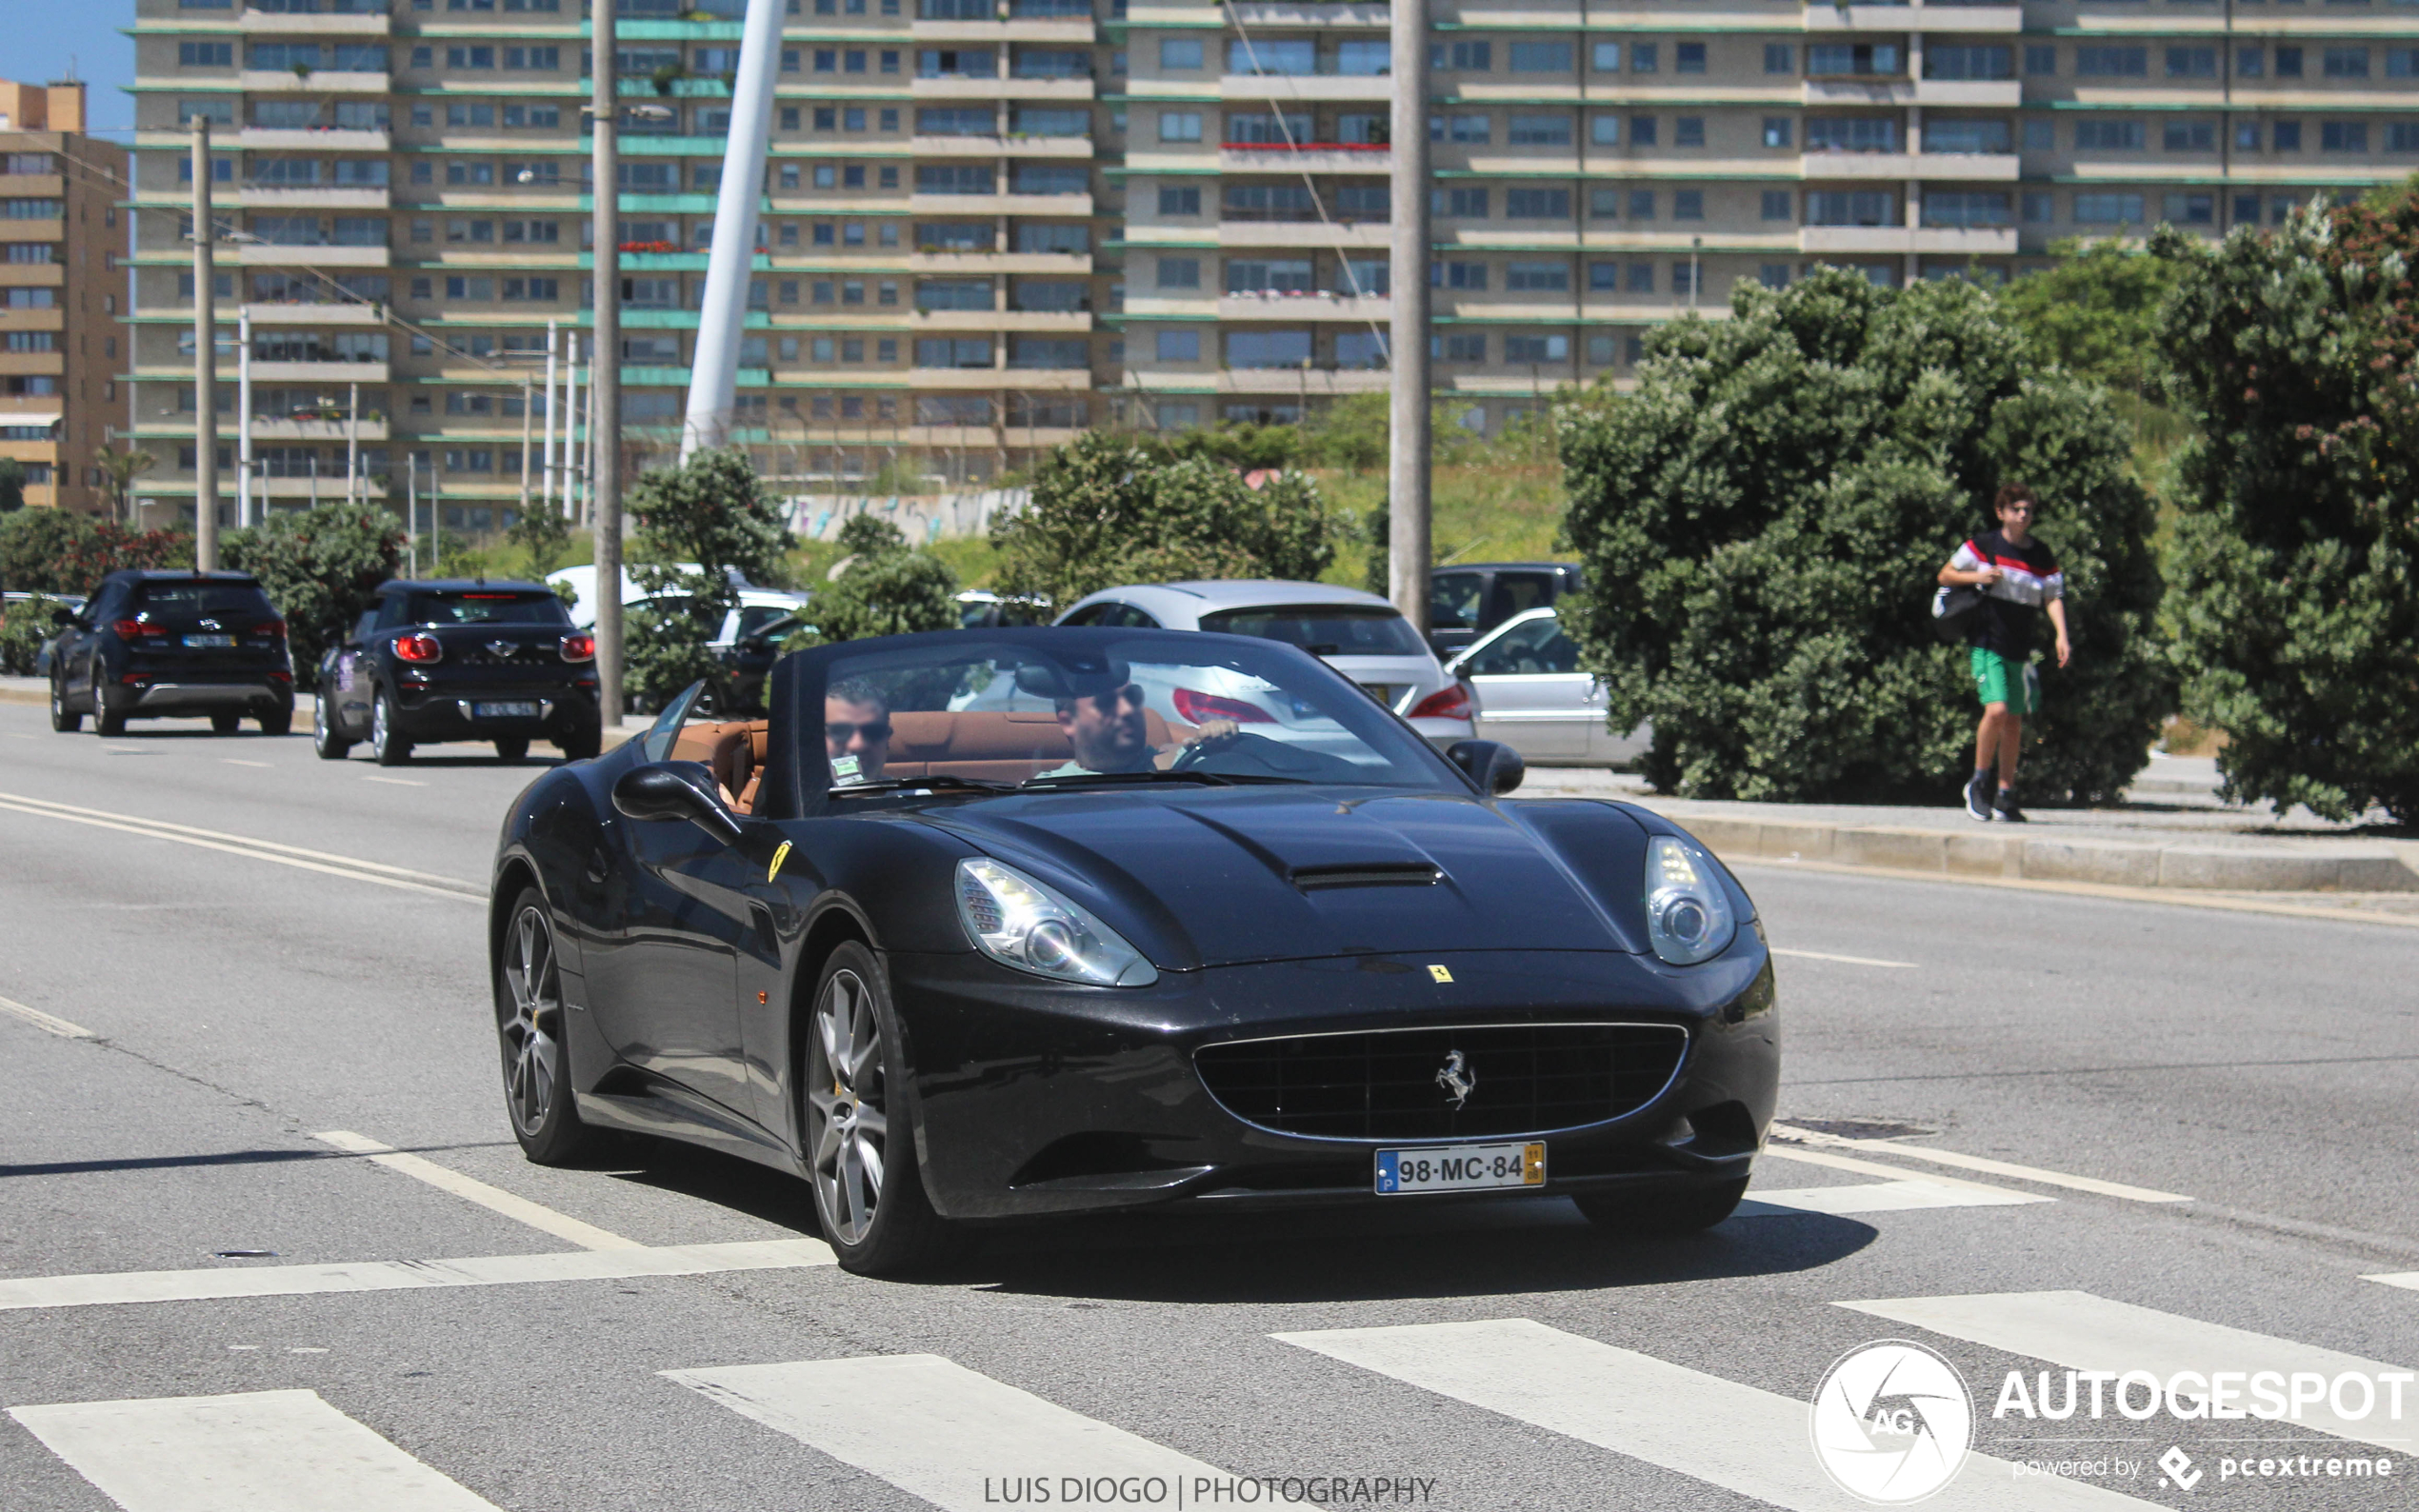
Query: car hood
x=1224, y=877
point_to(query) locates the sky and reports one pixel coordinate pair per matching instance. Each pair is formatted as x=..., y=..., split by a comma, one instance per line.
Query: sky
x=37, y=38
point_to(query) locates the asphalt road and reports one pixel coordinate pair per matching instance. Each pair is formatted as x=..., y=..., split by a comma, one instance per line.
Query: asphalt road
x=239, y=1000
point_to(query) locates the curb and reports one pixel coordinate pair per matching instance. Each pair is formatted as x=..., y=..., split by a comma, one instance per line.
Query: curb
x=2106, y=863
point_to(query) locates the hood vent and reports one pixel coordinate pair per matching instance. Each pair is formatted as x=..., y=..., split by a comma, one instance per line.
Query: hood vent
x=1375, y=874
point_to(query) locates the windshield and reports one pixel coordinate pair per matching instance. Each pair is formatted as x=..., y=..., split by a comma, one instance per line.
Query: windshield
x=1323, y=629
x=1081, y=708
x=487, y=608
x=202, y=598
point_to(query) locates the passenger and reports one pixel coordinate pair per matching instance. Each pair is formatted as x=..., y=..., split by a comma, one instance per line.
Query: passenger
x=856, y=732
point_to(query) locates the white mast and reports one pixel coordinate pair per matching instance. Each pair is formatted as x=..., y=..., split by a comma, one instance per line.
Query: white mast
x=713, y=377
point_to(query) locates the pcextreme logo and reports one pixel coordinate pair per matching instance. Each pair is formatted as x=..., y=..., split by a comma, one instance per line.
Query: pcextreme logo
x=1892, y=1422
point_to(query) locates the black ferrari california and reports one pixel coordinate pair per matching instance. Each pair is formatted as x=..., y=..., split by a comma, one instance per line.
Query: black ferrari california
x=994, y=924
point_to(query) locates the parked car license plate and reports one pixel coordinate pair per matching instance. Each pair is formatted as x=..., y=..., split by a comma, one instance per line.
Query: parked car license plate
x=509, y=708
x=209, y=640
x=1460, y=1167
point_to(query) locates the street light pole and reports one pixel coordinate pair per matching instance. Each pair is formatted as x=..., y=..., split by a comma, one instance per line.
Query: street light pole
x=1408, y=440
x=244, y=491
x=552, y=499
x=205, y=361
x=605, y=387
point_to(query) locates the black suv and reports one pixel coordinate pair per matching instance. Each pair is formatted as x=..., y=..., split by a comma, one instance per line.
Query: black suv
x=161, y=644
x=458, y=660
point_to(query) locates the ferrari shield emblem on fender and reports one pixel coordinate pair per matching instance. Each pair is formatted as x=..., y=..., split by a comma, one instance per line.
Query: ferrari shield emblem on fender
x=1439, y=974
x=778, y=857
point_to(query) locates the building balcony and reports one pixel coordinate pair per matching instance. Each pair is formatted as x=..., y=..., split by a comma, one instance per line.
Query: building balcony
x=32, y=186
x=1309, y=157
x=279, y=254
x=1000, y=34
x=1901, y=167
x=1998, y=93
x=1345, y=308
x=1301, y=233
x=267, y=23
x=1021, y=205
x=963, y=379
x=1315, y=382
x=33, y=231
x=322, y=81
x=1925, y=18
x=1000, y=145
x=1283, y=86
x=33, y=364
x=282, y=428
x=1073, y=91
x=1060, y=322
x=978, y=263
x=313, y=196
x=267, y=139
x=303, y=315
x=319, y=372
x=1993, y=240
x=1326, y=18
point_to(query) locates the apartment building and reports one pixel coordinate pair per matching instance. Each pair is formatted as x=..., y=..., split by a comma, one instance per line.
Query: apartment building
x=59, y=293
x=990, y=223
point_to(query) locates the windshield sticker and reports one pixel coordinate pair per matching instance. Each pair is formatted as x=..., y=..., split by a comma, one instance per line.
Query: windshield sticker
x=845, y=768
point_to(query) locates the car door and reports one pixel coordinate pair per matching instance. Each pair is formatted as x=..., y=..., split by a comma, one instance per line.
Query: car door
x=1532, y=694
x=81, y=660
x=348, y=690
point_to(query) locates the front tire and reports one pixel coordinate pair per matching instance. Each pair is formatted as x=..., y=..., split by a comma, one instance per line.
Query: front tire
x=62, y=719
x=1664, y=1216
x=386, y=743
x=868, y=1194
x=226, y=724
x=324, y=739
x=529, y=1032
x=278, y=722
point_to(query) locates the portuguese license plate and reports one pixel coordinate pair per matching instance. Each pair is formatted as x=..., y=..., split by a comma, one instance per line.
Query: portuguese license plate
x=509, y=708
x=209, y=640
x=1460, y=1167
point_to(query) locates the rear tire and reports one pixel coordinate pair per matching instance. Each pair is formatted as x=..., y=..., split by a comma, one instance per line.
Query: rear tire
x=106, y=722
x=529, y=1031
x=61, y=720
x=512, y=749
x=324, y=739
x=278, y=722
x=861, y=1165
x=226, y=724
x=386, y=744
x=1663, y=1216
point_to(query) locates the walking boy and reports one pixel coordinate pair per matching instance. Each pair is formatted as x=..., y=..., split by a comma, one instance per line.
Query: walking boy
x=2018, y=577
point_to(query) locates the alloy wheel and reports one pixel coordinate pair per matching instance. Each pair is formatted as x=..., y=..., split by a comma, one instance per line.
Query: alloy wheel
x=850, y=1124
x=532, y=1046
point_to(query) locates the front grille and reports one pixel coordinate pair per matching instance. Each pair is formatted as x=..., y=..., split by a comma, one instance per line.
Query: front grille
x=1391, y=1083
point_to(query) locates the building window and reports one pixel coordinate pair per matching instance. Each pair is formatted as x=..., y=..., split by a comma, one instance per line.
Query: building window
x=2346, y=63
x=1180, y=125
x=1780, y=57
x=1689, y=131
x=1777, y=131
x=1541, y=57
x=1642, y=131
x=1605, y=131
x=2111, y=63
x=2285, y=136
x=1539, y=130
x=2107, y=210
x=1605, y=57
x=1179, y=345
x=1776, y=204
x=1688, y=57
x=1179, y=202
x=2343, y=136
x=2288, y=63
x=2189, y=136
x=2041, y=61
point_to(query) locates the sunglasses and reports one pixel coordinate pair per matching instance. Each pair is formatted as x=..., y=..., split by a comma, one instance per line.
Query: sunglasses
x=839, y=731
x=1131, y=693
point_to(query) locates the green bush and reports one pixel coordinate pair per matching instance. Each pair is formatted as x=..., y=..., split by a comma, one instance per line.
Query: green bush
x=1109, y=508
x=25, y=625
x=885, y=589
x=60, y=551
x=1762, y=523
x=2292, y=352
x=321, y=567
x=711, y=511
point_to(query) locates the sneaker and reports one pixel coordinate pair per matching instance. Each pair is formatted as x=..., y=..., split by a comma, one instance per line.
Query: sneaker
x=1978, y=798
x=2004, y=808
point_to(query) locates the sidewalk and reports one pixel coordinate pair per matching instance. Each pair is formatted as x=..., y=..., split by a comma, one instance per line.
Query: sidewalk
x=2173, y=832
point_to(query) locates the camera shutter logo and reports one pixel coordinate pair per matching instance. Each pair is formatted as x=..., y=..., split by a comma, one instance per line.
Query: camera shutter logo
x=1892, y=1422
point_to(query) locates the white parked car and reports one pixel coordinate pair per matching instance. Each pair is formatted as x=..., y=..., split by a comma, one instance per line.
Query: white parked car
x=1533, y=697
x=756, y=609
x=1359, y=634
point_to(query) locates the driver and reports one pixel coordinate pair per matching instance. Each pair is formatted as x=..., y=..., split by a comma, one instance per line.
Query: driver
x=1107, y=733
x=856, y=731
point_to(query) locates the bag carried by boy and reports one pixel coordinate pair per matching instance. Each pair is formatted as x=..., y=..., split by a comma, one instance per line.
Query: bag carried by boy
x=1956, y=608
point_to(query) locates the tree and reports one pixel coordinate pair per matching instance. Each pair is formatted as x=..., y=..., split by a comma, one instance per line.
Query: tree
x=2095, y=311
x=321, y=567
x=58, y=551
x=12, y=485
x=1111, y=508
x=2293, y=352
x=710, y=509
x=120, y=467
x=1762, y=519
x=885, y=589
x=545, y=535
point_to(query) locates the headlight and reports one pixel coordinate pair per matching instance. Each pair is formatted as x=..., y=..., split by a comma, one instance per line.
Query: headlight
x=1688, y=917
x=1018, y=922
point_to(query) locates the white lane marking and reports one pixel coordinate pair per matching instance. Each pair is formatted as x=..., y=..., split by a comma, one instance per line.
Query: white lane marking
x=2407, y=1279
x=1977, y=1163
x=118, y=1287
x=1648, y=1409
x=237, y=760
x=1846, y=1162
x=1852, y=961
x=165, y=830
x=933, y=1428
x=257, y=1451
x=396, y=782
x=1881, y=1197
x=47, y=1023
x=495, y=1198
x=2084, y=1332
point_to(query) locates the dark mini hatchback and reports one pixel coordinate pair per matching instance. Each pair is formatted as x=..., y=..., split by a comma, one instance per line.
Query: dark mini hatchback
x=159, y=644
x=456, y=660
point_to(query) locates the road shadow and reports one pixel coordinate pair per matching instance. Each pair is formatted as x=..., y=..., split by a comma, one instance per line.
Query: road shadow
x=724, y=1180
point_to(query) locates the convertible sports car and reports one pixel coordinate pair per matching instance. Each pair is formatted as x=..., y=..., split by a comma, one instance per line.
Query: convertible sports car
x=972, y=929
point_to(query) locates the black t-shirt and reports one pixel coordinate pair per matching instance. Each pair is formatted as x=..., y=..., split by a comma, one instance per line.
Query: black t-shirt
x=2029, y=578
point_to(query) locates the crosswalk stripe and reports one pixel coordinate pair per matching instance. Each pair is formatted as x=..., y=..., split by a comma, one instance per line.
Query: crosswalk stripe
x=1736, y=1437
x=402, y=1275
x=935, y=1429
x=2084, y=1332
x=261, y=1451
x=1896, y=1173
x=2407, y=1279
x=1972, y=1163
x=1880, y=1197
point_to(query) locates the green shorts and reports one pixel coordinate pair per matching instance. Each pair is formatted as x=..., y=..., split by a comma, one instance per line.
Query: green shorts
x=2001, y=681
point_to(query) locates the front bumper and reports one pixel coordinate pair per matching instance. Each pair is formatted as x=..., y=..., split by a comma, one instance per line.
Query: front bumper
x=1033, y=1099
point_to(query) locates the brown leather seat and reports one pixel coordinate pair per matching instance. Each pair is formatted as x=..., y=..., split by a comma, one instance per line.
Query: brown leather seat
x=733, y=751
x=990, y=744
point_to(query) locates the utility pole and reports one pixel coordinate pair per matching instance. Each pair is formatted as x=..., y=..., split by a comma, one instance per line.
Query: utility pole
x=552, y=497
x=713, y=379
x=605, y=387
x=1409, y=442
x=243, y=491
x=525, y=445
x=205, y=360
x=353, y=444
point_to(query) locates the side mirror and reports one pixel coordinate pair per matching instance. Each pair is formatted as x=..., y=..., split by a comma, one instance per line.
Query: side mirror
x=676, y=791
x=62, y=618
x=1493, y=766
